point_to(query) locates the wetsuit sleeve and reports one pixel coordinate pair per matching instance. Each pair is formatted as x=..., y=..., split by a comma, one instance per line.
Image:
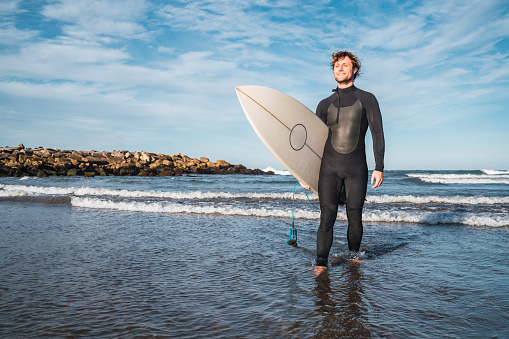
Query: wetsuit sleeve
x=321, y=112
x=375, y=125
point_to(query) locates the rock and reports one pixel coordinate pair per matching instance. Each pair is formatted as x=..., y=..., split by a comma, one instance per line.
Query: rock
x=144, y=173
x=117, y=154
x=45, y=153
x=222, y=163
x=74, y=172
x=167, y=173
x=42, y=174
x=96, y=160
x=144, y=156
x=191, y=162
x=129, y=170
x=41, y=161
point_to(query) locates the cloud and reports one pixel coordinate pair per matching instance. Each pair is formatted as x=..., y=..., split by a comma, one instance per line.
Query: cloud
x=10, y=35
x=99, y=19
x=231, y=21
x=166, y=50
x=8, y=7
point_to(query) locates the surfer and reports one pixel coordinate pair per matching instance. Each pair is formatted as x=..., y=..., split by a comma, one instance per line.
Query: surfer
x=344, y=173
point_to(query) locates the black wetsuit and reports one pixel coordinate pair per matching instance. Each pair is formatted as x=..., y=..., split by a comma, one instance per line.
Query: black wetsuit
x=344, y=162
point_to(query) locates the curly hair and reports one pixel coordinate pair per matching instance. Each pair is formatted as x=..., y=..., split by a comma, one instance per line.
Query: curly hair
x=356, y=63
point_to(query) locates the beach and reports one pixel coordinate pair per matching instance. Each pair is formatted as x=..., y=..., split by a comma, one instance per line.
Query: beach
x=201, y=256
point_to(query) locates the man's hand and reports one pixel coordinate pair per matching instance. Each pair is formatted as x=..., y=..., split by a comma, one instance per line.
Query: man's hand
x=306, y=187
x=377, y=177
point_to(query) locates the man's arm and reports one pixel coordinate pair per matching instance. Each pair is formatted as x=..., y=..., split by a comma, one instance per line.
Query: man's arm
x=377, y=133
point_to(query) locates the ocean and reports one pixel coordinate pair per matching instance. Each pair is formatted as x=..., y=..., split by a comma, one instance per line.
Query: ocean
x=205, y=256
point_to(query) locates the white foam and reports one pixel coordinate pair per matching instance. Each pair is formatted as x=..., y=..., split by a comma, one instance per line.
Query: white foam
x=494, y=172
x=433, y=218
x=278, y=172
x=21, y=190
x=177, y=195
x=425, y=217
x=461, y=178
x=164, y=207
x=39, y=190
x=454, y=200
x=4, y=194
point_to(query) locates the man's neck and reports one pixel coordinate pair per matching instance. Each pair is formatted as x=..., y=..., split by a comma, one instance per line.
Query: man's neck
x=344, y=85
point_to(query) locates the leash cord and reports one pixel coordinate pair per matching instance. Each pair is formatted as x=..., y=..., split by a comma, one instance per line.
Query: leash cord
x=293, y=201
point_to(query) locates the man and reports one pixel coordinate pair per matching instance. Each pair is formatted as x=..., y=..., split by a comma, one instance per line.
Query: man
x=347, y=112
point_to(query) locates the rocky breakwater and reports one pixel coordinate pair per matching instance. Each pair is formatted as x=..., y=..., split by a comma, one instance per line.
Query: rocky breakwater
x=43, y=162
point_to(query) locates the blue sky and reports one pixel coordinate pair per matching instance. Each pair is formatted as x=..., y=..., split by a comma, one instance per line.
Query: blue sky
x=159, y=76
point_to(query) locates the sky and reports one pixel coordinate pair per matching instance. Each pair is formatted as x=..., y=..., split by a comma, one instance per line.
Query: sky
x=160, y=76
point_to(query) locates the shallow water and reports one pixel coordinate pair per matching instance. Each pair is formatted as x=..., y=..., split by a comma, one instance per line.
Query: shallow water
x=67, y=271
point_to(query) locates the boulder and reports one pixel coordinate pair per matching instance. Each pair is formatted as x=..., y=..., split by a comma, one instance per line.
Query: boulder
x=222, y=164
x=22, y=161
x=144, y=156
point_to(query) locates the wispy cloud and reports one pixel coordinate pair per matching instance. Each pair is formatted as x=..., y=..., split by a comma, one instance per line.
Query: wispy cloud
x=9, y=7
x=99, y=20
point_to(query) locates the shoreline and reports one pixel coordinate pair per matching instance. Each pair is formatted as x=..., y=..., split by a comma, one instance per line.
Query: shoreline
x=42, y=162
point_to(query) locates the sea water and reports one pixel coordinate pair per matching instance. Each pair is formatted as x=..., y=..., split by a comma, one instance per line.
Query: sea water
x=206, y=256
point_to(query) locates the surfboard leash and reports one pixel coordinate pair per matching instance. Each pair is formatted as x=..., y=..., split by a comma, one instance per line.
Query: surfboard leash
x=293, y=231
x=306, y=191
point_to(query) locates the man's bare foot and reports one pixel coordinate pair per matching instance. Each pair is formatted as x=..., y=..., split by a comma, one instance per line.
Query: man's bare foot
x=319, y=270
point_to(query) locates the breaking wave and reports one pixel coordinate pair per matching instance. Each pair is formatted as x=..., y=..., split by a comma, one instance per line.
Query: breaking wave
x=426, y=217
x=20, y=190
x=461, y=178
x=278, y=172
x=494, y=172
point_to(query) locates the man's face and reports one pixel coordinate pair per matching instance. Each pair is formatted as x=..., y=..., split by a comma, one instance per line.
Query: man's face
x=344, y=71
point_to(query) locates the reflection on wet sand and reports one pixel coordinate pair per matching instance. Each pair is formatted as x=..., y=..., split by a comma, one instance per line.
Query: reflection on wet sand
x=340, y=307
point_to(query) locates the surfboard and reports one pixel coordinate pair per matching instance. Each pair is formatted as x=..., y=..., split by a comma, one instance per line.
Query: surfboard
x=292, y=133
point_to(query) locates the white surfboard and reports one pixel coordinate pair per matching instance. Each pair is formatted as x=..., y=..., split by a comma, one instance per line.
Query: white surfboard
x=291, y=132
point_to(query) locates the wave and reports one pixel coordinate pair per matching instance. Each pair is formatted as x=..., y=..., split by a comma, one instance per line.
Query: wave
x=278, y=172
x=461, y=178
x=28, y=178
x=454, y=200
x=173, y=208
x=424, y=217
x=494, y=172
x=20, y=190
x=434, y=218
